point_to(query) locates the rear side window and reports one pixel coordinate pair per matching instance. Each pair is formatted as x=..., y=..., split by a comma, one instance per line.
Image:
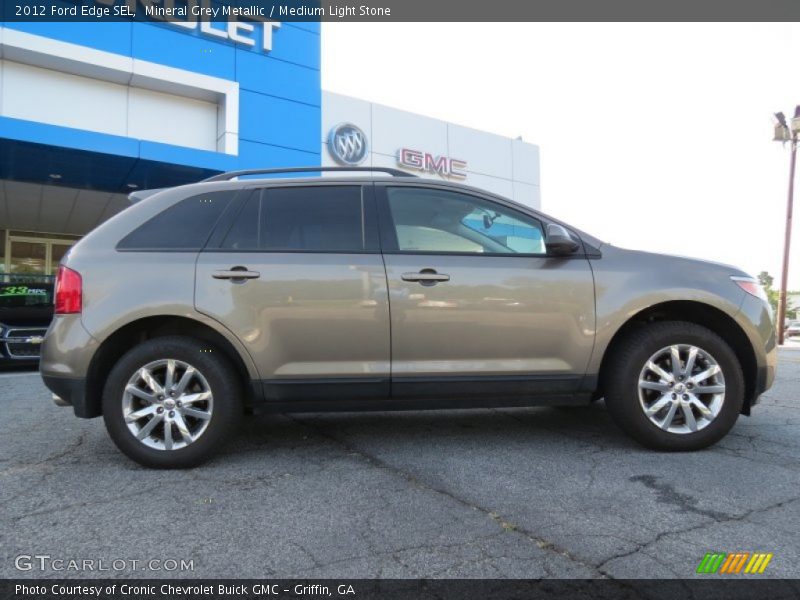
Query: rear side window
x=300, y=219
x=185, y=226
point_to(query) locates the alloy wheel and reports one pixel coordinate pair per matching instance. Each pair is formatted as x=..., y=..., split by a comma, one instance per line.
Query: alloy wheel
x=167, y=404
x=681, y=388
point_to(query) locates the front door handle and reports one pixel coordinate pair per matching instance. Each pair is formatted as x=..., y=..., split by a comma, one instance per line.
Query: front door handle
x=426, y=277
x=240, y=273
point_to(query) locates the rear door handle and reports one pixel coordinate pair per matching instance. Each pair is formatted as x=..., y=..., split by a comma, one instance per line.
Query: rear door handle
x=236, y=273
x=425, y=277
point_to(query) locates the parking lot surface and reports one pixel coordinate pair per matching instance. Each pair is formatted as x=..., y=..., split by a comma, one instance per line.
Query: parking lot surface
x=525, y=493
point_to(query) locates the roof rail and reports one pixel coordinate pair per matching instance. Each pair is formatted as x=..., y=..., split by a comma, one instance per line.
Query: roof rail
x=234, y=174
x=140, y=195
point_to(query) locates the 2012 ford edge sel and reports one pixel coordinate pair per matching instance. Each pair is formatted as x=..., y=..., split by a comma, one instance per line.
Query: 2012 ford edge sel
x=200, y=303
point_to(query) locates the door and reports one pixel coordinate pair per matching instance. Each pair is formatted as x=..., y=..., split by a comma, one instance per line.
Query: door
x=299, y=279
x=477, y=306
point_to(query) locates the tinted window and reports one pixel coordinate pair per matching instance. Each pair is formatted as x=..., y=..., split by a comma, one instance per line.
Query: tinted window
x=310, y=219
x=243, y=234
x=183, y=226
x=428, y=220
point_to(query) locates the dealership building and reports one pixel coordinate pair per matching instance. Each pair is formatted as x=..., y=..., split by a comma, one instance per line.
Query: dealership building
x=90, y=112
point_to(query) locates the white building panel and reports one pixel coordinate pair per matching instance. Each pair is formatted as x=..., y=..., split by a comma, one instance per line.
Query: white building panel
x=382, y=160
x=134, y=98
x=172, y=119
x=489, y=154
x=393, y=129
x=526, y=162
x=528, y=194
x=496, y=185
x=75, y=101
x=47, y=96
x=494, y=163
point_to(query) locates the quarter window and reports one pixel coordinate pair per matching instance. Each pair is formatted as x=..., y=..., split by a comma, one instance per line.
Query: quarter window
x=300, y=219
x=430, y=220
x=183, y=226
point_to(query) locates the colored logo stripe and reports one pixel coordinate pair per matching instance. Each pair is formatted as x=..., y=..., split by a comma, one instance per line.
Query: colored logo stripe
x=724, y=563
x=758, y=563
x=734, y=563
x=711, y=562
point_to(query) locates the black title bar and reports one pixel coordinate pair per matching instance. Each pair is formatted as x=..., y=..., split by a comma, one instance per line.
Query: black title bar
x=711, y=588
x=193, y=11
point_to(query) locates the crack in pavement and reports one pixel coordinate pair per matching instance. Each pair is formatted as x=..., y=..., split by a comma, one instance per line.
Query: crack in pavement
x=727, y=519
x=667, y=494
x=68, y=507
x=542, y=543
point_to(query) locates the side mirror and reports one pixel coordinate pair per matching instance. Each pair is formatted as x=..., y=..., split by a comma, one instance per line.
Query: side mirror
x=558, y=241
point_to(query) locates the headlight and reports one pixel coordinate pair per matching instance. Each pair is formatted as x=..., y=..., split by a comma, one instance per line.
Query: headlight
x=751, y=286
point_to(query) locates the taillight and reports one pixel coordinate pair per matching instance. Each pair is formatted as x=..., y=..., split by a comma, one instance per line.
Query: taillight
x=69, y=291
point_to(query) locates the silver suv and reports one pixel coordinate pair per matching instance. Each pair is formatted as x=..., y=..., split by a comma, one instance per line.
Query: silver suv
x=203, y=302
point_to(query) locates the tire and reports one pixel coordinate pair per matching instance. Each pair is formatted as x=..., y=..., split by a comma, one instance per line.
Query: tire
x=627, y=403
x=207, y=410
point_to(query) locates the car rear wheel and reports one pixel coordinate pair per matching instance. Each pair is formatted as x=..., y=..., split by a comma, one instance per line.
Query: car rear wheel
x=170, y=402
x=674, y=386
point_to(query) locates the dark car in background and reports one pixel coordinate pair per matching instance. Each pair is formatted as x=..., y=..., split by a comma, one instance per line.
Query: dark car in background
x=26, y=308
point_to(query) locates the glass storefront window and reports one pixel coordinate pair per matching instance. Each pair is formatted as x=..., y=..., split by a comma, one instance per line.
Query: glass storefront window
x=28, y=258
x=25, y=255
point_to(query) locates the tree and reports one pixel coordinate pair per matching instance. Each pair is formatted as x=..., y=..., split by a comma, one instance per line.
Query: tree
x=766, y=280
x=792, y=307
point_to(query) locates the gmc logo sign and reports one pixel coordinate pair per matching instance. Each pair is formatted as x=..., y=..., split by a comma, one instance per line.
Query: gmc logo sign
x=441, y=165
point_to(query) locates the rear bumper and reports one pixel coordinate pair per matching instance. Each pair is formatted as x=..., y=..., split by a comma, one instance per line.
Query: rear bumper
x=66, y=353
x=71, y=392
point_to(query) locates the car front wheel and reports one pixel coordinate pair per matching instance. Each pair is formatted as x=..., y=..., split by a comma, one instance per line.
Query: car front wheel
x=170, y=402
x=674, y=386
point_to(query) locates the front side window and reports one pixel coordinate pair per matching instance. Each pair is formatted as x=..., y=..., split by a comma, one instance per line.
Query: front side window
x=431, y=220
x=300, y=219
x=184, y=226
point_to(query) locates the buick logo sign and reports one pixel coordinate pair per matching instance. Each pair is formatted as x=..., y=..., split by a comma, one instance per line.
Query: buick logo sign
x=347, y=144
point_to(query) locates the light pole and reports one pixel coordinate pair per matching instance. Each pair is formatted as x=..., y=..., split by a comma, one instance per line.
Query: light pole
x=785, y=133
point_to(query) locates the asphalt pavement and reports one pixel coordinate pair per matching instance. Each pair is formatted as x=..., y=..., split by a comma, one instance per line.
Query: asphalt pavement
x=523, y=493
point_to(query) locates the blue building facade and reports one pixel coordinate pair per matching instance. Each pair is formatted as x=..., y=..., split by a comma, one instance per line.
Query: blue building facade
x=90, y=111
x=272, y=72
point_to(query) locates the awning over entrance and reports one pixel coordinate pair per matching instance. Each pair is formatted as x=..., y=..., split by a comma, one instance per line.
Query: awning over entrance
x=103, y=171
x=50, y=208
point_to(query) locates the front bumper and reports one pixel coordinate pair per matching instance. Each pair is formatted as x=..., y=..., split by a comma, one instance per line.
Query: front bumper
x=756, y=320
